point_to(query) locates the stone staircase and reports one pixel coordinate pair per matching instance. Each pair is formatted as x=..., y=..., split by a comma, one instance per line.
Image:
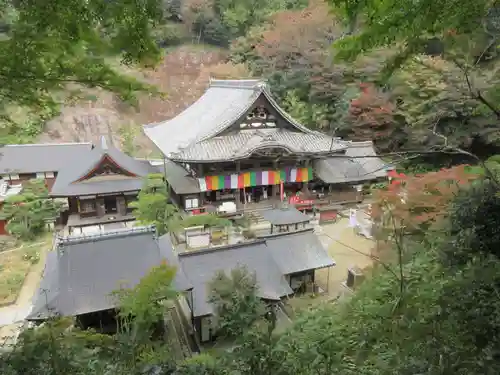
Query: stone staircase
x=176, y=334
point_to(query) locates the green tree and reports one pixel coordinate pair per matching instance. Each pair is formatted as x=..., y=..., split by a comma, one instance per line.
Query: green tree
x=28, y=213
x=201, y=364
x=58, y=348
x=46, y=47
x=410, y=25
x=237, y=305
x=207, y=220
x=153, y=204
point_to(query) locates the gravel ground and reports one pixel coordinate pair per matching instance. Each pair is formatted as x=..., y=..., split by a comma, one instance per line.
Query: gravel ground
x=347, y=249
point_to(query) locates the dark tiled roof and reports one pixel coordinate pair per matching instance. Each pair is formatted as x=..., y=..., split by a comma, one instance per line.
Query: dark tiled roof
x=271, y=258
x=284, y=216
x=33, y=158
x=82, y=272
x=201, y=266
x=219, y=107
x=66, y=185
x=342, y=169
x=298, y=251
x=242, y=144
x=180, y=180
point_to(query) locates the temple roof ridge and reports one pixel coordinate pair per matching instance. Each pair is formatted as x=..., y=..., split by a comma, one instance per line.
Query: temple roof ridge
x=223, y=103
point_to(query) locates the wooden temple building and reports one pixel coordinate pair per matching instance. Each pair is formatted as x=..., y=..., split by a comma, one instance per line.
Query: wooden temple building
x=237, y=144
x=100, y=185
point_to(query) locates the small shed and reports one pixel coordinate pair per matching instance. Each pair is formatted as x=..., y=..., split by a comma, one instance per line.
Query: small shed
x=282, y=218
x=328, y=213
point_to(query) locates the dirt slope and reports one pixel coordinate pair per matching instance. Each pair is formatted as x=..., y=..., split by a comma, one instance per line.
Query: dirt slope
x=183, y=75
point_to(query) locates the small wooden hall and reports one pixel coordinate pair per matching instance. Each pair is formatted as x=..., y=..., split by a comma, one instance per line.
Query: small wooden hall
x=100, y=185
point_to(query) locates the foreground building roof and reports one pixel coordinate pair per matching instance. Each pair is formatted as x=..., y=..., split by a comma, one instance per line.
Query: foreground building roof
x=102, y=169
x=33, y=158
x=222, y=126
x=82, y=272
x=271, y=258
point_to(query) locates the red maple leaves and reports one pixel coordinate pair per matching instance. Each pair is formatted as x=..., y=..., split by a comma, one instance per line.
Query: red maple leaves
x=420, y=201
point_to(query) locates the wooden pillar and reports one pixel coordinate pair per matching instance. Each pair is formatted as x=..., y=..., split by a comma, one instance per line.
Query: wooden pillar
x=239, y=204
x=274, y=188
x=121, y=206
x=305, y=185
x=100, y=207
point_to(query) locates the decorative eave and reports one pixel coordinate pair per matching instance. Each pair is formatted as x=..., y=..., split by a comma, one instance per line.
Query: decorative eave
x=245, y=143
x=223, y=103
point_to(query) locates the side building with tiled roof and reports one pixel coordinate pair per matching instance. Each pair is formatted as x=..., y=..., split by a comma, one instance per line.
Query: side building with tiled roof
x=20, y=163
x=99, y=185
x=237, y=144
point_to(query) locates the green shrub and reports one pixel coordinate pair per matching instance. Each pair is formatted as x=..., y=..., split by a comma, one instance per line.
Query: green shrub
x=210, y=30
x=169, y=35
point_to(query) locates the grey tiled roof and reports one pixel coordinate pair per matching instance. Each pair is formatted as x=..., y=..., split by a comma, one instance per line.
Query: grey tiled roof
x=245, y=142
x=201, y=267
x=271, y=258
x=298, y=251
x=180, y=180
x=342, y=169
x=222, y=104
x=284, y=216
x=81, y=274
x=181, y=282
x=33, y=158
x=65, y=184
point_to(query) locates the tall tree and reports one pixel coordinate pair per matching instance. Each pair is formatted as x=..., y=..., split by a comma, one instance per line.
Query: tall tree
x=237, y=305
x=153, y=204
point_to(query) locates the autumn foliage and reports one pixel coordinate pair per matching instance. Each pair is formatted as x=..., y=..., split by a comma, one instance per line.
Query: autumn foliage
x=297, y=37
x=371, y=114
x=418, y=203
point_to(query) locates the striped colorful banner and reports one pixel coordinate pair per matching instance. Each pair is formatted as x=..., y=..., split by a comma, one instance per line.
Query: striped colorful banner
x=259, y=178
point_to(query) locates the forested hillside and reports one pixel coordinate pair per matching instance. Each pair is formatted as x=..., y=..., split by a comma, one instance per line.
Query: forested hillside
x=288, y=42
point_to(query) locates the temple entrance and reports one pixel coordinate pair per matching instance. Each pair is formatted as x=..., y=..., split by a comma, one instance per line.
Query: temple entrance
x=110, y=206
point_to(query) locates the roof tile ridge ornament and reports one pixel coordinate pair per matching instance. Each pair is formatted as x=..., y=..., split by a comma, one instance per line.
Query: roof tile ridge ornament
x=241, y=84
x=359, y=143
x=104, y=143
x=66, y=240
x=47, y=144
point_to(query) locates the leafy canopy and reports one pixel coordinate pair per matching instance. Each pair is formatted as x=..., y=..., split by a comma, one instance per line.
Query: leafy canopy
x=153, y=204
x=235, y=300
x=28, y=212
x=409, y=23
x=49, y=44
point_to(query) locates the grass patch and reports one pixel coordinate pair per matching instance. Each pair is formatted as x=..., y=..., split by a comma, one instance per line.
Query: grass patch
x=15, y=265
